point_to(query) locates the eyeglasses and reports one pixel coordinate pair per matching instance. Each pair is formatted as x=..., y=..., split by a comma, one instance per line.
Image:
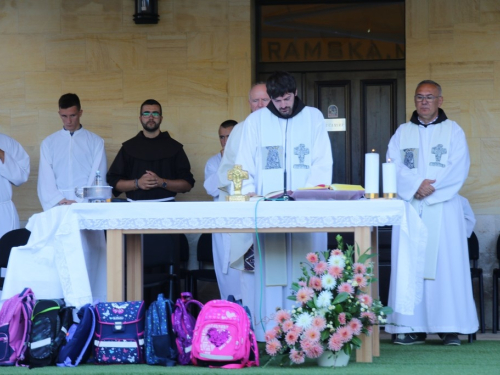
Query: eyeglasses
x=429, y=98
x=147, y=114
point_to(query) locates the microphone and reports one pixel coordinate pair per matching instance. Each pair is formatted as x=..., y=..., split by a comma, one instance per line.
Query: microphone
x=285, y=197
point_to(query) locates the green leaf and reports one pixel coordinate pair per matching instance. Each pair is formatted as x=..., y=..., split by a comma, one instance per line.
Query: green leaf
x=356, y=341
x=341, y=298
x=386, y=310
x=325, y=334
x=295, y=287
x=291, y=298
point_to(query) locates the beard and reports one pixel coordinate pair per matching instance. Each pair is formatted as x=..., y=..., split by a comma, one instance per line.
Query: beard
x=151, y=126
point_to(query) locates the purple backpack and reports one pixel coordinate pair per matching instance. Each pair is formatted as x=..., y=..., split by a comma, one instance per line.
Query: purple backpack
x=183, y=324
x=15, y=327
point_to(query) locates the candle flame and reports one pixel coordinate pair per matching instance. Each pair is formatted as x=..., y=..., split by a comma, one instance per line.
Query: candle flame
x=373, y=150
x=389, y=160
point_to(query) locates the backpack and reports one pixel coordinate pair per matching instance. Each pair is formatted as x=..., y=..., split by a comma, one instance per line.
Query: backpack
x=77, y=347
x=51, y=320
x=119, y=332
x=15, y=327
x=223, y=338
x=231, y=298
x=184, y=324
x=160, y=343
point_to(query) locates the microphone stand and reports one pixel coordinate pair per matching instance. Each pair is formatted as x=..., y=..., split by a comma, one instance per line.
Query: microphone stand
x=285, y=196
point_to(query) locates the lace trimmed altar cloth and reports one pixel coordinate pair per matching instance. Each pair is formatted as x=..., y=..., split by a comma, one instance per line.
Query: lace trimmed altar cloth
x=57, y=245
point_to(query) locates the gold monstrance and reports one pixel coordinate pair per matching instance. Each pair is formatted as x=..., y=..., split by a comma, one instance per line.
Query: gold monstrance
x=237, y=175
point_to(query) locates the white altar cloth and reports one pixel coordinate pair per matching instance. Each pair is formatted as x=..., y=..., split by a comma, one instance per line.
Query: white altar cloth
x=57, y=232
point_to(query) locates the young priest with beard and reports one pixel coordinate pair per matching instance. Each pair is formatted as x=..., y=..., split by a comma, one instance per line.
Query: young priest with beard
x=151, y=166
x=287, y=139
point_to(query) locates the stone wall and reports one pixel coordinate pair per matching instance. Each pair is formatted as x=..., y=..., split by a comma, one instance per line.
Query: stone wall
x=196, y=62
x=456, y=43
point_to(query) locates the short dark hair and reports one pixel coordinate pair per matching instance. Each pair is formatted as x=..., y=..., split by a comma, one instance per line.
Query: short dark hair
x=69, y=100
x=150, y=102
x=279, y=84
x=228, y=124
x=430, y=82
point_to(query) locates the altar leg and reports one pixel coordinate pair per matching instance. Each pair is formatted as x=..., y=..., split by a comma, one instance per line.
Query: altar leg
x=375, y=289
x=115, y=265
x=134, y=268
x=362, y=238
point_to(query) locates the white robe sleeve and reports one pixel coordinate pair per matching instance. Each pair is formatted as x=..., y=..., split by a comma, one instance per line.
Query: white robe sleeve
x=211, y=183
x=247, y=153
x=16, y=165
x=48, y=193
x=322, y=159
x=99, y=162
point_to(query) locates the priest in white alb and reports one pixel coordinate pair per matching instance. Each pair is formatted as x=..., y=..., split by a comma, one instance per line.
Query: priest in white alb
x=432, y=161
x=14, y=171
x=286, y=141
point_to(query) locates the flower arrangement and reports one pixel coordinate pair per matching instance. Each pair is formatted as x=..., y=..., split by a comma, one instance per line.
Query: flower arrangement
x=332, y=309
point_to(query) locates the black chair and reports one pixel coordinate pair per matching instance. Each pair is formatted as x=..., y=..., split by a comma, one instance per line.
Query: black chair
x=477, y=273
x=496, y=277
x=204, y=255
x=165, y=258
x=14, y=238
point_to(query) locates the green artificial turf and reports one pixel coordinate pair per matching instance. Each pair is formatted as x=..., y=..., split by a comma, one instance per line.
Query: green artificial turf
x=481, y=357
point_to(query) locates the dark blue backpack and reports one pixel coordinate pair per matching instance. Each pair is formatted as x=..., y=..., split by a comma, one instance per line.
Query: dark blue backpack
x=119, y=333
x=78, y=340
x=231, y=298
x=160, y=340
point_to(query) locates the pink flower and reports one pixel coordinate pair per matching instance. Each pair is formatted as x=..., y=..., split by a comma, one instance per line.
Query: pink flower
x=305, y=344
x=342, y=318
x=270, y=335
x=281, y=316
x=287, y=325
x=369, y=330
x=273, y=347
x=345, y=287
x=314, y=351
x=335, y=271
x=319, y=323
x=336, y=252
x=291, y=337
x=335, y=342
x=359, y=268
x=312, y=258
x=356, y=326
x=345, y=333
x=360, y=279
x=320, y=268
x=311, y=334
x=296, y=356
x=304, y=295
x=297, y=330
x=370, y=316
x=366, y=299
x=315, y=283
x=302, y=283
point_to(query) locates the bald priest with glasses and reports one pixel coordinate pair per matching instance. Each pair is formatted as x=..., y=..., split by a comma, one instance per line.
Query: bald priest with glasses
x=432, y=162
x=151, y=166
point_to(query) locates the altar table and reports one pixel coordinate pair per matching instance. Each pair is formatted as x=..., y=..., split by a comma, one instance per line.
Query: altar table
x=133, y=219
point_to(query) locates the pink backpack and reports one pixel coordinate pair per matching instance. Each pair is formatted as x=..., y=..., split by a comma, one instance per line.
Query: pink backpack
x=223, y=338
x=15, y=327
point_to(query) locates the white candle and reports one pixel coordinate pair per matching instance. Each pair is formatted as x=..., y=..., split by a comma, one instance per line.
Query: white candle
x=389, y=177
x=372, y=165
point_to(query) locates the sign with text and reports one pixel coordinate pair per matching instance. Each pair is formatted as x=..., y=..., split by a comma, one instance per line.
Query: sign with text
x=335, y=124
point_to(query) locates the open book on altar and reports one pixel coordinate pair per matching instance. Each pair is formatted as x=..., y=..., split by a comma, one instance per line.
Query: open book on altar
x=320, y=192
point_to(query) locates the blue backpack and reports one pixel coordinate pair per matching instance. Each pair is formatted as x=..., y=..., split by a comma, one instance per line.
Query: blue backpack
x=160, y=340
x=77, y=348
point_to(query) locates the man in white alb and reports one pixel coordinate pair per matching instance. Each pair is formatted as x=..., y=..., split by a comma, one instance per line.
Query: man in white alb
x=228, y=279
x=432, y=161
x=69, y=158
x=285, y=140
x=14, y=171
